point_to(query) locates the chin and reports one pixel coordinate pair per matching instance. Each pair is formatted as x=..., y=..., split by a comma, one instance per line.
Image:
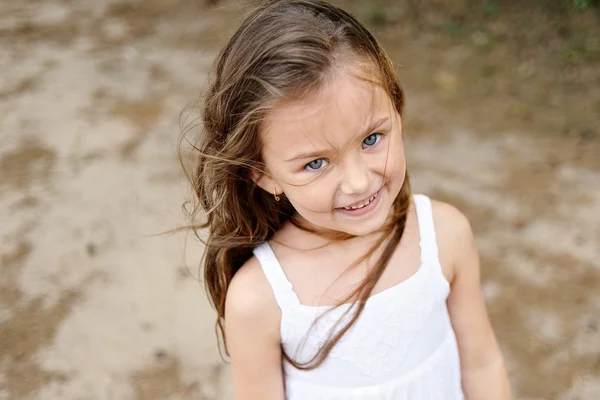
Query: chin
x=364, y=228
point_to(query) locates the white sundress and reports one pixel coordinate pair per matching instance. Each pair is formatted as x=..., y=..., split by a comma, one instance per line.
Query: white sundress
x=402, y=347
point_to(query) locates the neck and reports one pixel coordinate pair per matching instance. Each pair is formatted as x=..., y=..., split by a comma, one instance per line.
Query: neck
x=314, y=236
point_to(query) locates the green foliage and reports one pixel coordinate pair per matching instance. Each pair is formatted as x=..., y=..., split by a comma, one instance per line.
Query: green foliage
x=450, y=27
x=491, y=8
x=377, y=15
x=581, y=48
x=582, y=5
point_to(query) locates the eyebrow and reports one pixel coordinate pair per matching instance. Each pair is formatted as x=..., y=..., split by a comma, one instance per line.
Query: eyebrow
x=374, y=125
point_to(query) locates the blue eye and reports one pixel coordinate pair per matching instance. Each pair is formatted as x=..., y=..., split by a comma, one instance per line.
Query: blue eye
x=316, y=165
x=371, y=140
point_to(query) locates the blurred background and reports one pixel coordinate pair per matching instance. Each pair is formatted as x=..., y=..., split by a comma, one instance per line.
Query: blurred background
x=502, y=120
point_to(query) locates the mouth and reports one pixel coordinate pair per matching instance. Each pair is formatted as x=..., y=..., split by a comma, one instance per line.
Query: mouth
x=361, y=204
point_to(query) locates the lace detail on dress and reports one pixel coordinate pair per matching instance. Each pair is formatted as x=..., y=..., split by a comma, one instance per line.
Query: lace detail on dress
x=438, y=378
x=376, y=344
x=401, y=347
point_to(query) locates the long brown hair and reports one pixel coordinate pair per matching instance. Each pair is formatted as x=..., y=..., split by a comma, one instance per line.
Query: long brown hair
x=285, y=49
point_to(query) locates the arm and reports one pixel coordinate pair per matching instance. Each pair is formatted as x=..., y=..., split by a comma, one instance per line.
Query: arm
x=482, y=365
x=252, y=319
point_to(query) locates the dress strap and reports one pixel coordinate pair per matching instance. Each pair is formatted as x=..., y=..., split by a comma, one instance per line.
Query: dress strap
x=428, y=242
x=283, y=289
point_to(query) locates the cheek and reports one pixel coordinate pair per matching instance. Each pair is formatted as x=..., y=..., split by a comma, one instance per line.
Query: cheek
x=397, y=164
x=315, y=198
x=393, y=163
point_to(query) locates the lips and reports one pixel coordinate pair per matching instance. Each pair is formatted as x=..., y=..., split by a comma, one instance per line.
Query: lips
x=361, y=204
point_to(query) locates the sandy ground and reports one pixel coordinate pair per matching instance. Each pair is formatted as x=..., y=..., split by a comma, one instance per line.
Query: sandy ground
x=94, y=306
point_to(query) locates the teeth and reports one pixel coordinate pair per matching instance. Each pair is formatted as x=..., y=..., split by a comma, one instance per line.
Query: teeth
x=366, y=203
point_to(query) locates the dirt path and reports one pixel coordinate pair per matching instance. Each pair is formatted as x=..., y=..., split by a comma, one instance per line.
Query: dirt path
x=94, y=307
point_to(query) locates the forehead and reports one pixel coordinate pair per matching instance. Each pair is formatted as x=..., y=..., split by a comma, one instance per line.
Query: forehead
x=331, y=117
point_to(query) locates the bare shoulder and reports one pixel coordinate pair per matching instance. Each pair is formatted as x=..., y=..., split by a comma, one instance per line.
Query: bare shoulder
x=252, y=326
x=449, y=218
x=454, y=236
x=250, y=298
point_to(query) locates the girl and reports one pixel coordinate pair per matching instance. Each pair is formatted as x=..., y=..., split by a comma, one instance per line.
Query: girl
x=331, y=281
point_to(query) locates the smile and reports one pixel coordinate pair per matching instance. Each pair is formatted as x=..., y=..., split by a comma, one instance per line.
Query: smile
x=363, y=203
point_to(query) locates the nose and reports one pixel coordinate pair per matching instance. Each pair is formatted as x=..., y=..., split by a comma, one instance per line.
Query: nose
x=355, y=178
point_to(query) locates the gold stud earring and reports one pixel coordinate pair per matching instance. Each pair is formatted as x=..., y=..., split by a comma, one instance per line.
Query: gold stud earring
x=277, y=197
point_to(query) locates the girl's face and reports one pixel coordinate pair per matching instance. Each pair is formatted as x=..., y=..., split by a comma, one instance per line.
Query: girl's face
x=337, y=155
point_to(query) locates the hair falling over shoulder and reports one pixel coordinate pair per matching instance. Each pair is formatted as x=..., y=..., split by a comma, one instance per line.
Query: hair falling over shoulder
x=284, y=50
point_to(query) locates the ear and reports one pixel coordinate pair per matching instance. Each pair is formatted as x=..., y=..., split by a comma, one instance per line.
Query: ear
x=265, y=181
